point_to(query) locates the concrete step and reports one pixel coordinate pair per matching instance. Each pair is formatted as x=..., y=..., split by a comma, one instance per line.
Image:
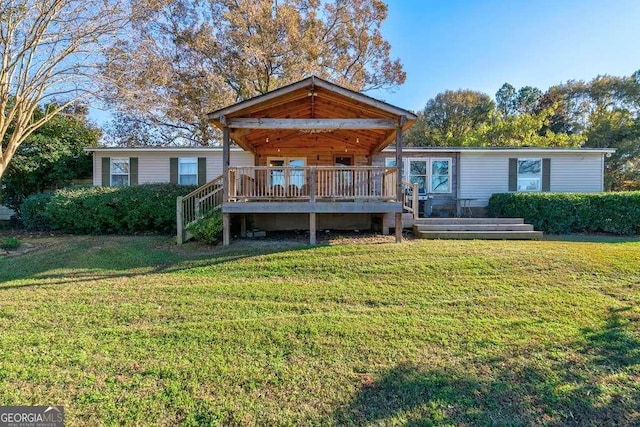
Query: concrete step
x=441, y=221
x=480, y=235
x=472, y=227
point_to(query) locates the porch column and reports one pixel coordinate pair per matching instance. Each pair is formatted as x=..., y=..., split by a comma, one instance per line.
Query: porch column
x=226, y=143
x=400, y=167
x=312, y=228
x=243, y=226
x=226, y=229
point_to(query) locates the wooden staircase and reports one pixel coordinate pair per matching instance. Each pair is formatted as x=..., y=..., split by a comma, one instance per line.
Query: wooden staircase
x=196, y=204
x=474, y=228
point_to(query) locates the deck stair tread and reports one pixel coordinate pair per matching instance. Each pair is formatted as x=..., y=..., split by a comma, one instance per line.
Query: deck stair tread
x=436, y=221
x=475, y=228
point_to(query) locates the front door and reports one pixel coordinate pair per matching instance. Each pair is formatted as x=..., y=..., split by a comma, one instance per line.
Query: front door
x=344, y=178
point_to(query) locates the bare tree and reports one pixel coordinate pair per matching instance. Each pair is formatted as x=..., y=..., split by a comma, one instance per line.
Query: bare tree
x=49, y=53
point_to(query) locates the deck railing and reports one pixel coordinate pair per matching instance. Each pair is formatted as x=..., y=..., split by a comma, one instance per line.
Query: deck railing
x=197, y=203
x=410, y=198
x=308, y=183
x=311, y=183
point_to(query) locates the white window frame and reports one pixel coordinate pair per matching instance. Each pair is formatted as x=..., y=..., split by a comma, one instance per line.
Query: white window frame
x=439, y=159
x=287, y=170
x=181, y=160
x=529, y=159
x=122, y=160
x=429, y=164
x=389, y=162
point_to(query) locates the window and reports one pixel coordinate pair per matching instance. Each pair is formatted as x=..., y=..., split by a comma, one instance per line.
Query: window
x=431, y=175
x=418, y=174
x=188, y=171
x=120, y=172
x=529, y=175
x=440, y=176
x=292, y=172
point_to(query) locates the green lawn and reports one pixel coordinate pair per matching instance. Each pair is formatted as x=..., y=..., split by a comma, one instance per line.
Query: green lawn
x=132, y=330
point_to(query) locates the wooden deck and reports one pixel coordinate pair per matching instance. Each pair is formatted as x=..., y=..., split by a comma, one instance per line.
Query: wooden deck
x=300, y=190
x=313, y=189
x=351, y=207
x=312, y=184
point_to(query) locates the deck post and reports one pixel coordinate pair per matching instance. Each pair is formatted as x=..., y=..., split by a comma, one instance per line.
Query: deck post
x=385, y=224
x=226, y=153
x=400, y=174
x=312, y=228
x=226, y=229
x=179, y=220
x=312, y=184
x=243, y=226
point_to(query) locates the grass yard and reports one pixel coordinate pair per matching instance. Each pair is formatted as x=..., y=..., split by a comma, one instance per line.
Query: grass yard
x=132, y=330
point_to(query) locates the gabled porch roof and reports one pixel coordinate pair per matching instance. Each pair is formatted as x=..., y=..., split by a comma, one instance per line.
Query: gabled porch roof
x=309, y=112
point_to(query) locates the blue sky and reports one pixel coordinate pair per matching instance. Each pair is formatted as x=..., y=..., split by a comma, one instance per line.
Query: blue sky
x=481, y=44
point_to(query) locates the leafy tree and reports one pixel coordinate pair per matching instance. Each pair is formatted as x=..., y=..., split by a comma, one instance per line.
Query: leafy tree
x=527, y=99
x=578, y=100
x=510, y=102
x=416, y=135
x=48, y=50
x=620, y=130
x=522, y=130
x=506, y=100
x=183, y=59
x=560, y=121
x=451, y=115
x=52, y=155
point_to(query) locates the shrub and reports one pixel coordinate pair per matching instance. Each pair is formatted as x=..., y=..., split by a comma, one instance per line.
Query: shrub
x=33, y=212
x=208, y=228
x=558, y=213
x=118, y=210
x=10, y=244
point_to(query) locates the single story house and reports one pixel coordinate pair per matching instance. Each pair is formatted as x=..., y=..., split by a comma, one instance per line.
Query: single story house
x=316, y=155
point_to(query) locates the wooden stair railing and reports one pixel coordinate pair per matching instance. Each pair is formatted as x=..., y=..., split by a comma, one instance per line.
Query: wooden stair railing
x=194, y=205
x=410, y=198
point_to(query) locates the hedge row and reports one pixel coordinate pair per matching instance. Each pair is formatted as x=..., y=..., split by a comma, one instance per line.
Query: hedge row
x=560, y=213
x=106, y=210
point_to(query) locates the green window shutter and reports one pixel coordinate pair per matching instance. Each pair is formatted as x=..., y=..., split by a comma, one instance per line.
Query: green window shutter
x=513, y=174
x=546, y=174
x=133, y=171
x=202, y=170
x=173, y=170
x=106, y=171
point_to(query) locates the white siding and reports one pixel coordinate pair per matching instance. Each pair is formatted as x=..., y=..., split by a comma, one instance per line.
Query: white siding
x=97, y=169
x=577, y=173
x=238, y=158
x=485, y=173
x=153, y=166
